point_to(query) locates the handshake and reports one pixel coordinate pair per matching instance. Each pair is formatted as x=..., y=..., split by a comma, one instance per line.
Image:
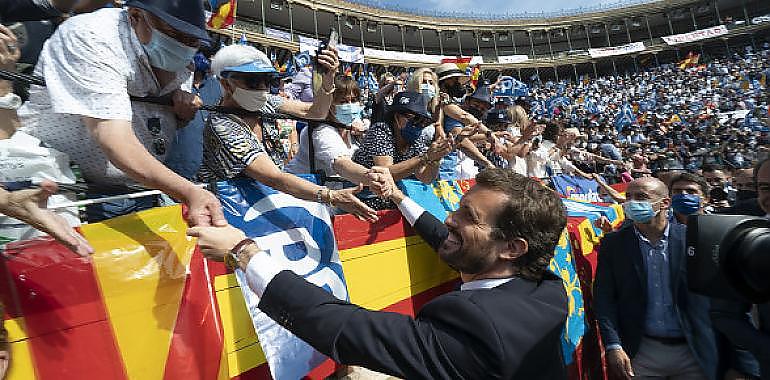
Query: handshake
x=217, y=243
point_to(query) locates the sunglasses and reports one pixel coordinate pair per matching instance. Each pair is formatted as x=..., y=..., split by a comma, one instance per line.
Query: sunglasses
x=419, y=121
x=255, y=81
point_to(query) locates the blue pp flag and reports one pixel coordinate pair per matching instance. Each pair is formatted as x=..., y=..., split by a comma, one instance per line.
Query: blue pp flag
x=576, y=188
x=509, y=86
x=298, y=234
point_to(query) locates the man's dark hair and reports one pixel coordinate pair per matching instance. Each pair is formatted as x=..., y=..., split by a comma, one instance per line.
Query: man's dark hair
x=689, y=177
x=757, y=167
x=552, y=130
x=532, y=212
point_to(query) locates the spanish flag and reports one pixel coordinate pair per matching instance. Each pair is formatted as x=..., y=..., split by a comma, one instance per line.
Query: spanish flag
x=222, y=13
x=461, y=62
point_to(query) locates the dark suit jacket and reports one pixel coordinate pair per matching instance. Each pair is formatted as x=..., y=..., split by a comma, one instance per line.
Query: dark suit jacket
x=620, y=296
x=732, y=319
x=511, y=331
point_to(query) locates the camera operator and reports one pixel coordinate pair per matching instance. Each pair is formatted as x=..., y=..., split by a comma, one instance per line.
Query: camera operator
x=733, y=318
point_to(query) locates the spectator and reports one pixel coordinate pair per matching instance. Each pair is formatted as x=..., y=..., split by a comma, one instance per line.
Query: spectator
x=689, y=196
x=400, y=143
x=231, y=146
x=332, y=146
x=88, y=87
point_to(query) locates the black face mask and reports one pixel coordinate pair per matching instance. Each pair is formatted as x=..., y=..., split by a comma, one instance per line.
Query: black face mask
x=456, y=90
x=742, y=195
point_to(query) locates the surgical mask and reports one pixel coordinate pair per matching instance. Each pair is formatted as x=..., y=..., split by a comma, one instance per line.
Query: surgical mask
x=250, y=100
x=428, y=90
x=685, y=204
x=411, y=132
x=347, y=112
x=167, y=53
x=639, y=211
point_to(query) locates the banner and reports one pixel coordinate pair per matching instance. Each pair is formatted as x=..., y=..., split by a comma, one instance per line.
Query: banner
x=401, y=56
x=617, y=50
x=697, y=35
x=299, y=235
x=347, y=53
x=576, y=188
x=518, y=58
x=279, y=34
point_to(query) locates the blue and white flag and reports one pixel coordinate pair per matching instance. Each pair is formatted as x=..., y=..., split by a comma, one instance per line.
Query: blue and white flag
x=298, y=234
x=509, y=86
x=625, y=117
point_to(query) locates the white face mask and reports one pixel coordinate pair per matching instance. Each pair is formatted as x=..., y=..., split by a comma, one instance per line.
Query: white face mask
x=250, y=100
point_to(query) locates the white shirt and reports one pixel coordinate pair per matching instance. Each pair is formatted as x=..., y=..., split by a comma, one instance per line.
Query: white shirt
x=91, y=65
x=328, y=146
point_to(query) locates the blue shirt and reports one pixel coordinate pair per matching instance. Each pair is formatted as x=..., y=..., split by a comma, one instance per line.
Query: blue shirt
x=661, y=319
x=448, y=168
x=186, y=156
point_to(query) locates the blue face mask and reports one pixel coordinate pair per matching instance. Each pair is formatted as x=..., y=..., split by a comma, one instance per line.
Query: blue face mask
x=428, y=90
x=639, y=211
x=167, y=53
x=347, y=112
x=411, y=132
x=685, y=204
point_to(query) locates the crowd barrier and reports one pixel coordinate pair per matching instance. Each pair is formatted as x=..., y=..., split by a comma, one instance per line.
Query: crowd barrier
x=147, y=305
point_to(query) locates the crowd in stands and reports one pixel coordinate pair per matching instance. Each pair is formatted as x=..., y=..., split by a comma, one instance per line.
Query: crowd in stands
x=702, y=121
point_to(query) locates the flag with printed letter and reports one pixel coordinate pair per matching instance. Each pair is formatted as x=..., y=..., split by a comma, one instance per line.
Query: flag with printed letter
x=298, y=234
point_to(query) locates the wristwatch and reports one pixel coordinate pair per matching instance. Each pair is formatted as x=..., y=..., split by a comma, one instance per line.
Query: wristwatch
x=10, y=101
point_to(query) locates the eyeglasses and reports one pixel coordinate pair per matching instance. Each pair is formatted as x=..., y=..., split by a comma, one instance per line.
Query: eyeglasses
x=158, y=142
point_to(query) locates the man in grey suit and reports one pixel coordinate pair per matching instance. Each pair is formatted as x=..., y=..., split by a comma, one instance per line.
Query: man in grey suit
x=651, y=325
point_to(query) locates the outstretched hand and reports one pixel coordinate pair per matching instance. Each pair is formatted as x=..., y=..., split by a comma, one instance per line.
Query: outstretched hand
x=346, y=199
x=29, y=207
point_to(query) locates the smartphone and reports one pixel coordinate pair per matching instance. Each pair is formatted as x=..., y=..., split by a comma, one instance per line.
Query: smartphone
x=326, y=43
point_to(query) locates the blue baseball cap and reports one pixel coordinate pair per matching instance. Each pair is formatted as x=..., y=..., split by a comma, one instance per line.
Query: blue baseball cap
x=254, y=67
x=185, y=16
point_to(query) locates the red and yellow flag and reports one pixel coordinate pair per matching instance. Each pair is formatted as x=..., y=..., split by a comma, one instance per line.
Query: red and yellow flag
x=223, y=13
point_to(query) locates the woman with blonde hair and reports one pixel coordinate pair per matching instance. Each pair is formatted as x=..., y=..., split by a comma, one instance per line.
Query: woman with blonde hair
x=425, y=81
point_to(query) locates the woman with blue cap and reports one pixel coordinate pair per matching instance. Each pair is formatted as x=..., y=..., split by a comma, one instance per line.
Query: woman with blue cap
x=233, y=146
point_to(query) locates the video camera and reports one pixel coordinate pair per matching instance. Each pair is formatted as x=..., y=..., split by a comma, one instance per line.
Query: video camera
x=728, y=256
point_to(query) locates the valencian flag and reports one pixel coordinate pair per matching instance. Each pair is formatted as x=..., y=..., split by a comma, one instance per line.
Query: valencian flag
x=222, y=13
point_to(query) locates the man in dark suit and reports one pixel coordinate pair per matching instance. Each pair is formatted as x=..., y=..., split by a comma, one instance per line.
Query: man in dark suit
x=652, y=326
x=732, y=317
x=504, y=323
